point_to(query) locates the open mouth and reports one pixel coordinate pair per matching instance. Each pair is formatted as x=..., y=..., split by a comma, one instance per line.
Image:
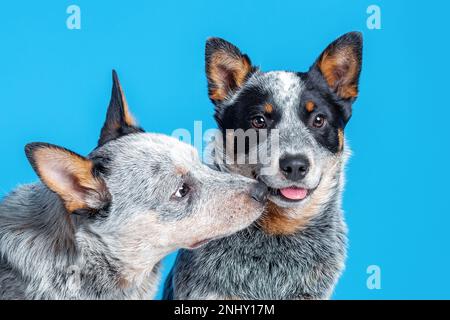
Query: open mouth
x=293, y=194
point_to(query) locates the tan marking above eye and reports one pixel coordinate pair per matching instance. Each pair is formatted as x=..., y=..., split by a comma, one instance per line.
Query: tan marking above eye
x=268, y=108
x=310, y=106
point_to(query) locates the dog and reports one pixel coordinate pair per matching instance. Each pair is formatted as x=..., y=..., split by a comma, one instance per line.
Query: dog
x=97, y=226
x=297, y=249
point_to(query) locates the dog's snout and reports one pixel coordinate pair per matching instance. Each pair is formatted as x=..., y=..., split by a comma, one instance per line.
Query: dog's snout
x=294, y=167
x=259, y=192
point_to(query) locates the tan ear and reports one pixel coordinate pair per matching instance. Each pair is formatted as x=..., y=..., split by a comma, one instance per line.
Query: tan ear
x=69, y=175
x=119, y=120
x=227, y=68
x=340, y=65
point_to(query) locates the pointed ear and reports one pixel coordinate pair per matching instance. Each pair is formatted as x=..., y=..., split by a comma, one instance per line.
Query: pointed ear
x=69, y=175
x=227, y=69
x=119, y=121
x=340, y=65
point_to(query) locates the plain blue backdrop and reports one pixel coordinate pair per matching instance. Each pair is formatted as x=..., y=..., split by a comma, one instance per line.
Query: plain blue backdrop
x=55, y=85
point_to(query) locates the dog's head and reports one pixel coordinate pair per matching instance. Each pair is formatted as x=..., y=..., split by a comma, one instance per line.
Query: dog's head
x=309, y=109
x=146, y=194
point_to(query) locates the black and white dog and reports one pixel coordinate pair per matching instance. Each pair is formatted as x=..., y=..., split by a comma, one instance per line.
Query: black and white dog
x=297, y=249
x=97, y=226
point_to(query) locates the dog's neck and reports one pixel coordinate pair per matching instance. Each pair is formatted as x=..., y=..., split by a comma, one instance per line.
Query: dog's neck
x=111, y=274
x=38, y=238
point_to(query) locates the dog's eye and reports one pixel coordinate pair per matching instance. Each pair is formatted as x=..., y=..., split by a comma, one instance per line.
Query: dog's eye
x=319, y=121
x=258, y=122
x=182, y=191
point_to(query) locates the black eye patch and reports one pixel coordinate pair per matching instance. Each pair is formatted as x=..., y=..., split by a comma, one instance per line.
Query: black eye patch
x=237, y=116
x=323, y=120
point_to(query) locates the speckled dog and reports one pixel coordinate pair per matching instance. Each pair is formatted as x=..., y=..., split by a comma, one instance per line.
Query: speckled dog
x=97, y=227
x=297, y=249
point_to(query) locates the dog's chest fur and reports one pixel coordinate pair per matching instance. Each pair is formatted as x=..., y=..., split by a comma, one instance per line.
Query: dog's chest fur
x=254, y=265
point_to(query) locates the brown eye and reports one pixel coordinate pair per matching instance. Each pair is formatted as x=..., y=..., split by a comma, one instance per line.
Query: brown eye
x=319, y=121
x=258, y=122
x=182, y=191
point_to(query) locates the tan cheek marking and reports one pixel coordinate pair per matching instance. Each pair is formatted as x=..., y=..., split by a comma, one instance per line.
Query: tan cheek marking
x=310, y=106
x=268, y=108
x=286, y=221
x=277, y=221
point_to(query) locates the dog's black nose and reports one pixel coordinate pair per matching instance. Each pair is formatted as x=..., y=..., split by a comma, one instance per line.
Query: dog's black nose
x=259, y=191
x=294, y=167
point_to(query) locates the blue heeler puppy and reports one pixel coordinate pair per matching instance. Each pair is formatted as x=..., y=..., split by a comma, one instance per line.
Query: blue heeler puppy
x=97, y=226
x=297, y=249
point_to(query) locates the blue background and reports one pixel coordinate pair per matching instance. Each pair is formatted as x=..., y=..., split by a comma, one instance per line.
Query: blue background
x=55, y=85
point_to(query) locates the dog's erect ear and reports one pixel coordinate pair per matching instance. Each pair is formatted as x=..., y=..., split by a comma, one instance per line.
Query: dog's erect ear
x=227, y=69
x=119, y=121
x=69, y=175
x=340, y=64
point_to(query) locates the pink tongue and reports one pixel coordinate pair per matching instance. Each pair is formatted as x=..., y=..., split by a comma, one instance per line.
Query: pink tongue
x=294, y=193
